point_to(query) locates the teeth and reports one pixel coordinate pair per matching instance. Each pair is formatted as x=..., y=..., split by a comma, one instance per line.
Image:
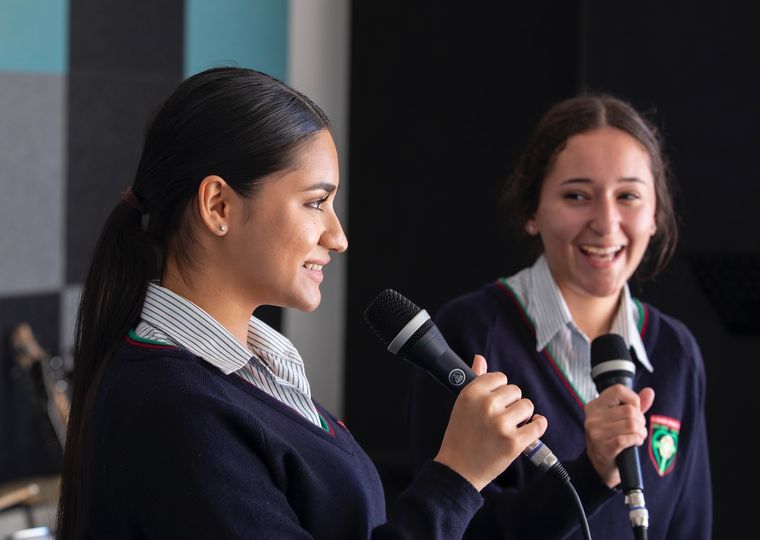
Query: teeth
x=595, y=250
x=311, y=266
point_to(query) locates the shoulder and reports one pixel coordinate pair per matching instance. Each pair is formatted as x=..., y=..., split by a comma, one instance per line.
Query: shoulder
x=156, y=385
x=177, y=402
x=487, y=301
x=666, y=335
x=483, y=316
x=479, y=307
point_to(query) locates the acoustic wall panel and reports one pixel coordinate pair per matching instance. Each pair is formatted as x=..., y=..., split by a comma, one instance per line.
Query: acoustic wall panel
x=32, y=156
x=244, y=33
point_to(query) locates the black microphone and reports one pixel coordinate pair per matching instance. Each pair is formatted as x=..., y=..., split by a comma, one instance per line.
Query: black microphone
x=611, y=363
x=409, y=332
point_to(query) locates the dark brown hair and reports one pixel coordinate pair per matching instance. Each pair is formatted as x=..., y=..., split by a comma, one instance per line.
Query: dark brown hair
x=579, y=115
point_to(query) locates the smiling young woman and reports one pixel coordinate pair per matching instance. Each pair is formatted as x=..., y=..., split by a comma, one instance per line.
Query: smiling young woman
x=191, y=418
x=591, y=190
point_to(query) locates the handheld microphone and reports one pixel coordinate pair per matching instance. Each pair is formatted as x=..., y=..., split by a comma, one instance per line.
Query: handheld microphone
x=611, y=364
x=409, y=332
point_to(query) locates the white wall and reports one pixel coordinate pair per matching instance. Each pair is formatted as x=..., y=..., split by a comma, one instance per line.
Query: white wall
x=318, y=65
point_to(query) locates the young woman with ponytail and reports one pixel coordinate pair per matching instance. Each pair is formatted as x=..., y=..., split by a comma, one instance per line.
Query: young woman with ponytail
x=191, y=418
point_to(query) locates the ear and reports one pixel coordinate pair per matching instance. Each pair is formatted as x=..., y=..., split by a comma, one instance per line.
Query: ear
x=214, y=204
x=530, y=227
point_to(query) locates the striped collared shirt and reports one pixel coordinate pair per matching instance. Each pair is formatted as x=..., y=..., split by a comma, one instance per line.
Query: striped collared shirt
x=270, y=362
x=539, y=294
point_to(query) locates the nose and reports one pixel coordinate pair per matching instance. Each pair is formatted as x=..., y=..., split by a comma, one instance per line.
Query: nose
x=606, y=216
x=334, y=238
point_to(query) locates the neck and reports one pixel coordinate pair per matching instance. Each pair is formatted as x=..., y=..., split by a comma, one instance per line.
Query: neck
x=205, y=293
x=592, y=315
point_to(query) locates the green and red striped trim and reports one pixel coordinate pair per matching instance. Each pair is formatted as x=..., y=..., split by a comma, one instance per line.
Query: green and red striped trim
x=133, y=339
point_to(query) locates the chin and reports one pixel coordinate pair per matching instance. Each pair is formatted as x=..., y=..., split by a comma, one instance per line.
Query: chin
x=309, y=304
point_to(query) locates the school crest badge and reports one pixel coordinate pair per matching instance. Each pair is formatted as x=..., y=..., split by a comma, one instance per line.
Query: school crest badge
x=663, y=442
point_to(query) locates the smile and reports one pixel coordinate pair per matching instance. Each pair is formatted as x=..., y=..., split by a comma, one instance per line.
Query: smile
x=311, y=266
x=601, y=253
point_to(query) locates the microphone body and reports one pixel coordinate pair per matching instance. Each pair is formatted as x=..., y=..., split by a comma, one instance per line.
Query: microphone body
x=420, y=342
x=611, y=364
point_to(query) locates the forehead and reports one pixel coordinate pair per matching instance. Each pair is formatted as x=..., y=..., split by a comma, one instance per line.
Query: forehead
x=315, y=161
x=602, y=154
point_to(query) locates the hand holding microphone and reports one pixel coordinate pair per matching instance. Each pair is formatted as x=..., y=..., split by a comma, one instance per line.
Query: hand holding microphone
x=489, y=427
x=409, y=332
x=615, y=425
x=615, y=421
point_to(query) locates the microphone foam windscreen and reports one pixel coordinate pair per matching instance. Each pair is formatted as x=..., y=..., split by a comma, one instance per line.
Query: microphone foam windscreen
x=388, y=313
x=608, y=347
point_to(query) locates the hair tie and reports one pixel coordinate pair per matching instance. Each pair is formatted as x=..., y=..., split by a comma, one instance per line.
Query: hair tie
x=131, y=199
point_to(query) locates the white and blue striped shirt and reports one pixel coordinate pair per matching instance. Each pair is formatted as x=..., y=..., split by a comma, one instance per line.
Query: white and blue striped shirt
x=270, y=362
x=542, y=299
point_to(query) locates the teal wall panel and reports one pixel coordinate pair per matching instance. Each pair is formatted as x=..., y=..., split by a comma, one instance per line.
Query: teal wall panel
x=34, y=36
x=247, y=33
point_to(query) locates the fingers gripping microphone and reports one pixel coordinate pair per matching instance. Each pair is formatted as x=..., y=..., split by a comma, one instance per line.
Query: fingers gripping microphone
x=611, y=364
x=409, y=332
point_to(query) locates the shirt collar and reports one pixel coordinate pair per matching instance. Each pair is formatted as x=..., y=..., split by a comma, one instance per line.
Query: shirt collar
x=549, y=312
x=191, y=328
x=625, y=325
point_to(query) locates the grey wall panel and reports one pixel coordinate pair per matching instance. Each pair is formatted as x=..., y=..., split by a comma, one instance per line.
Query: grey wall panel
x=133, y=37
x=125, y=59
x=31, y=175
x=109, y=114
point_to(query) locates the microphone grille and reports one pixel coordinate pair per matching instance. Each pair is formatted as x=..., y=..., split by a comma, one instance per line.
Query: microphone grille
x=608, y=347
x=388, y=313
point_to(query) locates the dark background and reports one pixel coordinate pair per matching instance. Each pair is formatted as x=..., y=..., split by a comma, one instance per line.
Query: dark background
x=443, y=98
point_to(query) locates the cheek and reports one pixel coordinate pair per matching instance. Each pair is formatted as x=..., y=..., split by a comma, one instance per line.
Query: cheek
x=643, y=226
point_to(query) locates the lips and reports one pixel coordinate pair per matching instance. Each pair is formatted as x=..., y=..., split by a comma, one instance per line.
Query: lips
x=602, y=253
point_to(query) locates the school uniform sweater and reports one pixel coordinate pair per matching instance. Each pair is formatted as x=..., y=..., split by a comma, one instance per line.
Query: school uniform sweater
x=180, y=450
x=525, y=503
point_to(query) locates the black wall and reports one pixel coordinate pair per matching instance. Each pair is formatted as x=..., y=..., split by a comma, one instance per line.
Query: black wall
x=442, y=100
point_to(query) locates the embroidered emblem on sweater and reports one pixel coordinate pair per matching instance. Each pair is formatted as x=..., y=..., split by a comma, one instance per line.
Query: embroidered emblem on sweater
x=663, y=442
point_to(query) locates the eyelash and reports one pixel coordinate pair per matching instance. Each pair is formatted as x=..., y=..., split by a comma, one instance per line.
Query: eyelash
x=574, y=196
x=316, y=205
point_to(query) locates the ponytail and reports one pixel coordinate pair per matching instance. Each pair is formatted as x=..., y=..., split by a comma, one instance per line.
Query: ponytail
x=112, y=295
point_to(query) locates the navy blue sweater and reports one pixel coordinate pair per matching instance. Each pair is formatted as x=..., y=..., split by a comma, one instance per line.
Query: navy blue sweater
x=180, y=450
x=524, y=503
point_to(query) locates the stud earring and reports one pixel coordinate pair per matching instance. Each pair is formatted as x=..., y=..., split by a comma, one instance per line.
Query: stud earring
x=223, y=228
x=530, y=228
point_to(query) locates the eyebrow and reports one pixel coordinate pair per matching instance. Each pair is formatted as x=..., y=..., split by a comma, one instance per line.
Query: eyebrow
x=588, y=180
x=325, y=186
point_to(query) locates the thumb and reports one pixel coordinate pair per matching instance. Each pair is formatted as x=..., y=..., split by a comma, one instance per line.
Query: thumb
x=646, y=398
x=479, y=365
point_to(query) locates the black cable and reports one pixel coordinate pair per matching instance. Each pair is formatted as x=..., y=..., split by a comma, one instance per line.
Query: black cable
x=640, y=533
x=559, y=472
